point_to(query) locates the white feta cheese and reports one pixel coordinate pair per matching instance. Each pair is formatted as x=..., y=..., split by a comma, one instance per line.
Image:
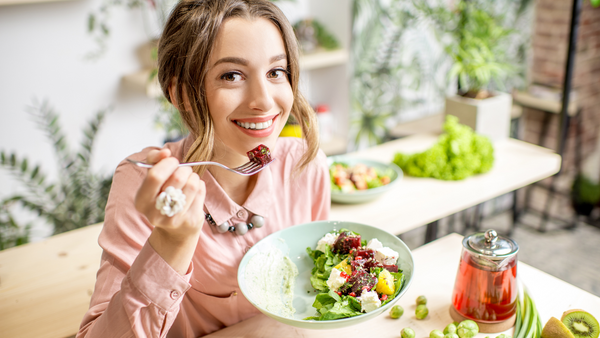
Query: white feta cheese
x=374, y=244
x=386, y=256
x=369, y=301
x=335, y=280
x=327, y=240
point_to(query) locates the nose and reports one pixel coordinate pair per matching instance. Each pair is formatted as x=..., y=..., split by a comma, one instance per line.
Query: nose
x=261, y=97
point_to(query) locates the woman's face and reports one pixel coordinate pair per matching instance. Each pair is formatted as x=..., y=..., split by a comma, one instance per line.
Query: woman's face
x=248, y=93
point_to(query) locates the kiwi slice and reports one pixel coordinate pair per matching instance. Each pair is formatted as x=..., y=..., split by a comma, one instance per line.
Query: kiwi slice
x=581, y=324
x=554, y=328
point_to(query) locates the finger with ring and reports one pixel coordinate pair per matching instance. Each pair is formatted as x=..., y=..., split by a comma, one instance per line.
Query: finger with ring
x=171, y=201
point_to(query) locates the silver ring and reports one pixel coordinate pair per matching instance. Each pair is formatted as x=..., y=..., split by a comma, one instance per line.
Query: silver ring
x=170, y=201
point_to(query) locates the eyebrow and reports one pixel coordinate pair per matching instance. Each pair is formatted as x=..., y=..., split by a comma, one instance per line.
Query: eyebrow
x=244, y=62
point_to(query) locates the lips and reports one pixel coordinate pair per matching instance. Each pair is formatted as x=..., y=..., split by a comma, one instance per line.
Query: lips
x=257, y=126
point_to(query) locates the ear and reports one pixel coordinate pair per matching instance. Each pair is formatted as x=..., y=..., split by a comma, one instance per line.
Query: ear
x=173, y=95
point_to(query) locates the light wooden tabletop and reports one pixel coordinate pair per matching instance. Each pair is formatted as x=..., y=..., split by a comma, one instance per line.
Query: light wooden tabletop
x=435, y=269
x=45, y=287
x=414, y=202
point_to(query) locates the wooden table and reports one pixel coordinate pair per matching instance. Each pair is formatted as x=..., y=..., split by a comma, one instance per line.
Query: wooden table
x=418, y=201
x=435, y=269
x=45, y=287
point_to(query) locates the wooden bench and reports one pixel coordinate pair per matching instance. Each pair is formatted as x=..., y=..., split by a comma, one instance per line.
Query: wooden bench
x=45, y=287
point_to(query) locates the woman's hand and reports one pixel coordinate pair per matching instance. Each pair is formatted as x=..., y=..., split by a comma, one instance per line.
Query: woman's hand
x=174, y=238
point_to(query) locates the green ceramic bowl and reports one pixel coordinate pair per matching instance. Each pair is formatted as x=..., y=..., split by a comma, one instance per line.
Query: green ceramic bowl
x=362, y=196
x=293, y=241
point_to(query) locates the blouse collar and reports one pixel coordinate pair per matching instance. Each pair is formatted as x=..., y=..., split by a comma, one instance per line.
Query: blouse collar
x=222, y=208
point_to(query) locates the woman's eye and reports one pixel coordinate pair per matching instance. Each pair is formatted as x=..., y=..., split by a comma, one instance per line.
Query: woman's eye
x=231, y=77
x=276, y=74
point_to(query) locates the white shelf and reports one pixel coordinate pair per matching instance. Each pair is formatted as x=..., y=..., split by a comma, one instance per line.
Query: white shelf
x=311, y=61
x=548, y=104
x=141, y=79
x=323, y=59
x=21, y=2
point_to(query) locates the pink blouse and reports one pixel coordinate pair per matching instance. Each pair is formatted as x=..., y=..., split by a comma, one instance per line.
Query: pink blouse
x=137, y=294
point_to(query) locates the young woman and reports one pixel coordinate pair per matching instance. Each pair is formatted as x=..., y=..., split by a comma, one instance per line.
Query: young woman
x=231, y=68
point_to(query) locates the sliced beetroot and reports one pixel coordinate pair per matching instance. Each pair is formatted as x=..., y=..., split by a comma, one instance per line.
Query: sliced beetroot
x=364, y=253
x=365, y=264
x=260, y=155
x=391, y=268
x=358, y=282
x=345, y=242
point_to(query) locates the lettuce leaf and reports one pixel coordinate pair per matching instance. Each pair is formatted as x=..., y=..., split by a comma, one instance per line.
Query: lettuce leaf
x=329, y=304
x=339, y=310
x=332, y=306
x=318, y=283
x=323, y=299
x=398, y=283
x=324, y=262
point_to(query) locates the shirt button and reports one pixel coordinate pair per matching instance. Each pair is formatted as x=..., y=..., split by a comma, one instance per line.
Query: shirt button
x=241, y=213
x=174, y=294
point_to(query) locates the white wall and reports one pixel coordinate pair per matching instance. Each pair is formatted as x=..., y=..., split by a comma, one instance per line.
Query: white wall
x=42, y=48
x=327, y=85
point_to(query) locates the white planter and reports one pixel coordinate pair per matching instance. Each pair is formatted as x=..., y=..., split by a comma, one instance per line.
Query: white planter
x=489, y=117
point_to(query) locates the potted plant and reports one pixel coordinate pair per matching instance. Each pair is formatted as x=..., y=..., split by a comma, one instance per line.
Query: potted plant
x=384, y=74
x=75, y=199
x=585, y=195
x=478, y=60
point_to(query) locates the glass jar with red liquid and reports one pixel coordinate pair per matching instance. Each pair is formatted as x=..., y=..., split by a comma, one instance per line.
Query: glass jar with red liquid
x=485, y=289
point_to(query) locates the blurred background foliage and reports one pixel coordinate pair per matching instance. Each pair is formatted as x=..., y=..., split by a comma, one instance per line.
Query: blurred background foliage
x=400, y=59
x=75, y=199
x=399, y=72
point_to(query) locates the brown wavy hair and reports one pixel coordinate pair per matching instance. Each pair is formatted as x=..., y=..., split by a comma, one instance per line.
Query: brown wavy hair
x=183, y=53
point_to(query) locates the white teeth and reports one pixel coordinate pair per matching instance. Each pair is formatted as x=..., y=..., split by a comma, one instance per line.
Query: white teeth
x=255, y=126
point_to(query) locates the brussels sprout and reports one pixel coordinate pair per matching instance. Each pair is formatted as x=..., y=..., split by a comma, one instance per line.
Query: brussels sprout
x=436, y=334
x=451, y=328
x=396, y=312
x=450, y=335
x=421, y=312
x=407, y=332
x=421, y=300
x=467, y=329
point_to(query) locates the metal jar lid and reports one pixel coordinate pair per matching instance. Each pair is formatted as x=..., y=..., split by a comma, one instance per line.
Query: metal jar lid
x=489, y=246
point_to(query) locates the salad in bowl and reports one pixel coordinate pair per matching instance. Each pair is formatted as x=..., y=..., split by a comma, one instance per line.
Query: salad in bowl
x=353, y=275
x=290, y=283
x=355, y=180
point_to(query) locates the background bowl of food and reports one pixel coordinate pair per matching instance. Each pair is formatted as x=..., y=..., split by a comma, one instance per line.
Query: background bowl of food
x=355, y=180
x=314, y=288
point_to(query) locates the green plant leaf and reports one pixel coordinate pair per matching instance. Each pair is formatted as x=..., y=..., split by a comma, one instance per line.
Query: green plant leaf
x=35, y=172
x=24, y=166
x=77, y=198
x=91, y=22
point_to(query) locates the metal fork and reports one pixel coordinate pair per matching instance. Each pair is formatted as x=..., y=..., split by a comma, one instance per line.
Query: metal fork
x=246, y=169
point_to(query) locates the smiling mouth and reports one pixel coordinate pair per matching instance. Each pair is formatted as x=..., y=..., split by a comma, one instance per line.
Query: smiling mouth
x=255, y=126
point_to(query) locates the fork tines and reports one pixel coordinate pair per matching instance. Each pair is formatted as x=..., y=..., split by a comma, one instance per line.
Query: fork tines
x=249, y=168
